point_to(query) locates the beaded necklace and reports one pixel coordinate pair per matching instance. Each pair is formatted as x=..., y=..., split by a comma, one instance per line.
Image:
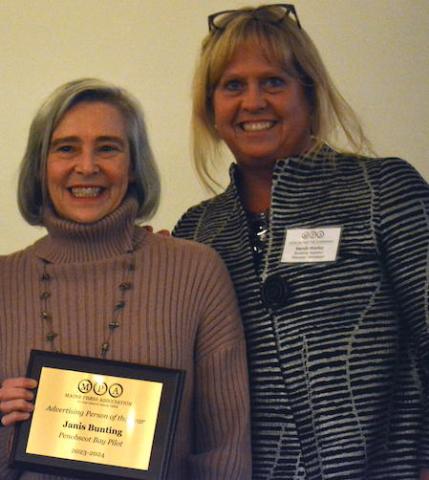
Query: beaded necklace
x=123, y=288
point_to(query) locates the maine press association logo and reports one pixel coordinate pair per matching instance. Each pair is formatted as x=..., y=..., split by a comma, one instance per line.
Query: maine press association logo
x=313, y=234
x=86, y=386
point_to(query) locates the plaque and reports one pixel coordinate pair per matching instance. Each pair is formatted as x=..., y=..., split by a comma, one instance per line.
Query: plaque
x=96, y=418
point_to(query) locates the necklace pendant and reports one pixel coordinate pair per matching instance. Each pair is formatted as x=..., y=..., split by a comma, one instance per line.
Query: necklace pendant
x=50, y=337
x=120, y=305
x=113, y=325
x=45, y=276
x=104, y=348
x=125, y=286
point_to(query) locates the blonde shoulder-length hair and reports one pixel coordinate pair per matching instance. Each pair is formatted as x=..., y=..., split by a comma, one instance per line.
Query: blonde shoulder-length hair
x=291, y=47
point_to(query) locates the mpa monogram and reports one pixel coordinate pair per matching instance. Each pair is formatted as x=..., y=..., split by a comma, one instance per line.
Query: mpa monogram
x=313, y=234
x=87, y=386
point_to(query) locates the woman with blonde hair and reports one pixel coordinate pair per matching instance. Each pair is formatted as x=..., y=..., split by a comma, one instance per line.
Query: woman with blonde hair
x=328, y=251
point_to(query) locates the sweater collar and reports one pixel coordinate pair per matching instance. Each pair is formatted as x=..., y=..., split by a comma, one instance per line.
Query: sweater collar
x=70, y=242
x=324, y=157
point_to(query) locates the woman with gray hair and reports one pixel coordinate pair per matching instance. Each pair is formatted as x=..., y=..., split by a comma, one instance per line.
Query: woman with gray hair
x=99, y=285
x=328, y=252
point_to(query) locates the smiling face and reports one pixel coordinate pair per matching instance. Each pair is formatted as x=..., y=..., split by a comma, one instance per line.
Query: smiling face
x=88, y=164
x=260, y=110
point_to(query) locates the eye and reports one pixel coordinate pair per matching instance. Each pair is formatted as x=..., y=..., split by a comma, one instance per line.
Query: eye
x=108, y=149
x=64, y=149
x=274, y=83
x=232, y=85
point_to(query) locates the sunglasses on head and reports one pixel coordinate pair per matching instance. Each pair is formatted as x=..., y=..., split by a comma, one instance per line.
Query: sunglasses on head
x=278, y=12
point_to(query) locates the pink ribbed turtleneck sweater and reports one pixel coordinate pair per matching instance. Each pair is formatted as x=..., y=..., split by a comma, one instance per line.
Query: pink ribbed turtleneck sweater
x=180, y=313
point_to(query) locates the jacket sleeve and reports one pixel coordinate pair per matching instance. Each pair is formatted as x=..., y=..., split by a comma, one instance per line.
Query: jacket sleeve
x=221, y=408
x=404, y=221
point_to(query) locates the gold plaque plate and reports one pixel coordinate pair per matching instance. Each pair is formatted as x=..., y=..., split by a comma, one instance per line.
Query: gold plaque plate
x=100, y=417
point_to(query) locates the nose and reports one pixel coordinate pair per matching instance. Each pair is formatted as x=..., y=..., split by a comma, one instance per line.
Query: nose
x=87, y=163
x=254, y=99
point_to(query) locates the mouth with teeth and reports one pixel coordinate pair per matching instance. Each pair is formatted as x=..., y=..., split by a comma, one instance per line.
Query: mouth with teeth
x=256, y=126
x=86, y=192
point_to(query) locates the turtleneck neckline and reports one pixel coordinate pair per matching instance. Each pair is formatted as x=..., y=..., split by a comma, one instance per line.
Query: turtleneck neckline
x=72, y=242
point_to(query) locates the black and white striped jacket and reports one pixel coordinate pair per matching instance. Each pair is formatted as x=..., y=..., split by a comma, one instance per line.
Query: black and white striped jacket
x=339, y=364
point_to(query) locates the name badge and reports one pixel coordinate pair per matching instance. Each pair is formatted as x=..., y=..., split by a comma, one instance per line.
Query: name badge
x=311, y=245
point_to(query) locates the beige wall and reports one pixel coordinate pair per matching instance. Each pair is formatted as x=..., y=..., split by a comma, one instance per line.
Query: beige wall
x=376, y=51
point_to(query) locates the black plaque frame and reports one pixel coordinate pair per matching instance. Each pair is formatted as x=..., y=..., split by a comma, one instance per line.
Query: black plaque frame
x=172, y=381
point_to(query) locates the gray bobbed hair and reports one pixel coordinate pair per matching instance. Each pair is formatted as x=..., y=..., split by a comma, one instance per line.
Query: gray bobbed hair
x=32, y=188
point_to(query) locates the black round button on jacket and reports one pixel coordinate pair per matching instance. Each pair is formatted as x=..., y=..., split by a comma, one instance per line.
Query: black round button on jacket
x=275, y=291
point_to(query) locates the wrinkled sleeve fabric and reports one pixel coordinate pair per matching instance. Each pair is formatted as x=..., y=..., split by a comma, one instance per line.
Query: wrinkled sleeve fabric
x=404, y=230
x=222, y=405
